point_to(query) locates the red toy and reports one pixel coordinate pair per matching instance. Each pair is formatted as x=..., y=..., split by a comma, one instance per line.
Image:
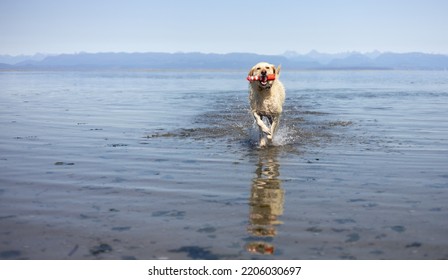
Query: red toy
x=271, y=77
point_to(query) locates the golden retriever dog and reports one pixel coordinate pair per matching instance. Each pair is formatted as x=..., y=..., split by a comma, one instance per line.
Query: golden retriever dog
x=266, y=97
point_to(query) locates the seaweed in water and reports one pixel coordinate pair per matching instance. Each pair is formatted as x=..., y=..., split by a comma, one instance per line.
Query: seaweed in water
x=11, y=254
x=196, y=253
x=102, y=248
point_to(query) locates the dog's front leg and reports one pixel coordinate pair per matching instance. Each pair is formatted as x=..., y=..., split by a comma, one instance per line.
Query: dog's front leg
x=261, y=124
x=274, y=126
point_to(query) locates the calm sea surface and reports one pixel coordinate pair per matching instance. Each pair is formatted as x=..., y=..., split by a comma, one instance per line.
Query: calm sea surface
x=164, y=165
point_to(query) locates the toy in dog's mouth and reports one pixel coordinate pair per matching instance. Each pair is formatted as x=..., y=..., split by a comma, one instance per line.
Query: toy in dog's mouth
x=263, y=79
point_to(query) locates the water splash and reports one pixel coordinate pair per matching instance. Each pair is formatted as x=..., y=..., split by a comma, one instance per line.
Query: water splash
x=287, y=135
x=230, y=121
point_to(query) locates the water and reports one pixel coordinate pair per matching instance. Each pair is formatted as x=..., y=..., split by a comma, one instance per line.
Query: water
x=157, y=165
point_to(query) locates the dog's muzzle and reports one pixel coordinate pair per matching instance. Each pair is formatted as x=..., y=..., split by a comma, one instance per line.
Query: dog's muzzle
x=264, y=79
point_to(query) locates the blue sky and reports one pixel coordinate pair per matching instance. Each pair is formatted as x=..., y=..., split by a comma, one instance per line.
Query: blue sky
x=264, y=27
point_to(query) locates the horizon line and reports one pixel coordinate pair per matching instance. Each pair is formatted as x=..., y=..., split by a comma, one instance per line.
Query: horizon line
x=285, y=53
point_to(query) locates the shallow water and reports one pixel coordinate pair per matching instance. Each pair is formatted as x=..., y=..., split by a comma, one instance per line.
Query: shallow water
x=156, y=165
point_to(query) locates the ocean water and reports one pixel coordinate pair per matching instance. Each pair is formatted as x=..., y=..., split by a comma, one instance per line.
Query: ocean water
x=164, y=165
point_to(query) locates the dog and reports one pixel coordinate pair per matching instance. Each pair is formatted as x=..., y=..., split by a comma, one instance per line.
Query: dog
x=266, y=98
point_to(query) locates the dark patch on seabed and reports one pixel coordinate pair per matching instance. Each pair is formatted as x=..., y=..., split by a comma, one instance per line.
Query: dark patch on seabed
x=196, y=253
x=229, y=119
x=10, y=254
x=199, y=253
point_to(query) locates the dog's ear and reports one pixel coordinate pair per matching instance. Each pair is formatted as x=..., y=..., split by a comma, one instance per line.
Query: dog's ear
x=277, y=71
x=251, y=72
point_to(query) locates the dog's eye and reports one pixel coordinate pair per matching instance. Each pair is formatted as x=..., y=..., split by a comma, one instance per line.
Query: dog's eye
x=258, y=68
x=267, y=67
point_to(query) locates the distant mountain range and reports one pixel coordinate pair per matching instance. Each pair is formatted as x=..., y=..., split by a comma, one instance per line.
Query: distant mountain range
x=288, y=60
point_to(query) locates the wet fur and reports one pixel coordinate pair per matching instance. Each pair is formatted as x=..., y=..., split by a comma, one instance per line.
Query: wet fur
x=266, y=101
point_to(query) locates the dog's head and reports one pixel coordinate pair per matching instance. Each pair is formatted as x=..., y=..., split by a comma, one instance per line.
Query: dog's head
x=263, y=69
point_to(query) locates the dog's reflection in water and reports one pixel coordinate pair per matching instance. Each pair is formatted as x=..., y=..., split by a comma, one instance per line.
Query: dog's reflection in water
x=266, y=202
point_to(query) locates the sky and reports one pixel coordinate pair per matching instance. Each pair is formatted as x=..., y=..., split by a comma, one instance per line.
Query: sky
x=224, y=26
